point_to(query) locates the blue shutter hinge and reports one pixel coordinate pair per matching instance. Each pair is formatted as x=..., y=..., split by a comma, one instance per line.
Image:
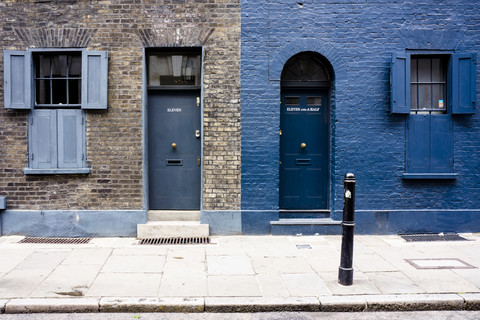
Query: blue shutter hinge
x=31, y=120
x=32, y=156
x=83, y=119
x=83, y=156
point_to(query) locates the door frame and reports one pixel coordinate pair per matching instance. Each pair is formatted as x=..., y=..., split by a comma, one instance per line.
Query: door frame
x=145, y=173
x=322, y=88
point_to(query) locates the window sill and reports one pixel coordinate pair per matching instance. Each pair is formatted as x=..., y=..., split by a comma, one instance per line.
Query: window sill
x=57, y=171
x=436, y=176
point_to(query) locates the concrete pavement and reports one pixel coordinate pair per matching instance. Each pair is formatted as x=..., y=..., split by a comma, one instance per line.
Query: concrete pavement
x=238, y=274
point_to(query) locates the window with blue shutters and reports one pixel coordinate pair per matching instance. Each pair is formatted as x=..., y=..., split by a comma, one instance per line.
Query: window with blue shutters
x=430, y=88
x=56, y=85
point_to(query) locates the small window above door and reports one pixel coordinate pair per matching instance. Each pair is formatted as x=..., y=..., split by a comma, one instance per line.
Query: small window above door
x=174, y=69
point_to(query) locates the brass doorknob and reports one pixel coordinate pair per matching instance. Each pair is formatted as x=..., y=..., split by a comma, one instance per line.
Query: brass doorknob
x=303, y=145
x=174, y=145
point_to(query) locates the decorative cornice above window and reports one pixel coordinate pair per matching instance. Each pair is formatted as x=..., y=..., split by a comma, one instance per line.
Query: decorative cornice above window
x=55, y=38
x=174, y=37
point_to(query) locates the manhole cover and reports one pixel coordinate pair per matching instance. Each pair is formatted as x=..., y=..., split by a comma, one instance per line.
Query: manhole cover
x=440, y=263
x=55, y=240
x=160, y=241
x=432, y=237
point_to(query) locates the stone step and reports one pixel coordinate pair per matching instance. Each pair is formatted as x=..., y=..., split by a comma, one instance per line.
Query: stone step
x=322, y=226
x=304, y=214
x=173, y=215
x=168, y=229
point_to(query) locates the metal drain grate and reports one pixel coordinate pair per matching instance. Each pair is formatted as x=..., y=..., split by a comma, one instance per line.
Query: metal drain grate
x=160, y=241
x=55, y=240
x=432, y=237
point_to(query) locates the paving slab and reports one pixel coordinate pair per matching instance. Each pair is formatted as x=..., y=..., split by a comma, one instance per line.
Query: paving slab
x=181, y=283
x=20, y=283
x=372, y=263
x=470, y=275
x=125, y=285
x=51, y=305
x=15, y=257
x=184, y=305
x=43, y=260
x=137, y=263
x=223, y=265
x=281, y=265
x=233, y=286
x=272, y=285
x=393, y=282
x=87, y=256
x=361, y=284
x=417, y=302
x=305, y=285
x=440, y=281
x=261, y=304
x=67, y=280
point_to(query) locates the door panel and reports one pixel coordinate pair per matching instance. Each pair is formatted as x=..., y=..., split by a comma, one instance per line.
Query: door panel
x=174, y=150
x=304, y=150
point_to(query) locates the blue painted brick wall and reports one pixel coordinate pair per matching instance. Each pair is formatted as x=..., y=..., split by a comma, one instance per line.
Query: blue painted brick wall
x=367, y=139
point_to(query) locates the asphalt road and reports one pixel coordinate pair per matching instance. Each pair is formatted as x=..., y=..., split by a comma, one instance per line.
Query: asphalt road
x=424, y=315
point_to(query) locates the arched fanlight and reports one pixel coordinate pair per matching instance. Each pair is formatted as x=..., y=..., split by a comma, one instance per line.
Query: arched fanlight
x=305, y=67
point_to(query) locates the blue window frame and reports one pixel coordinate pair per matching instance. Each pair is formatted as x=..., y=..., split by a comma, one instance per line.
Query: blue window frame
x=56, y=85
x=430, y=87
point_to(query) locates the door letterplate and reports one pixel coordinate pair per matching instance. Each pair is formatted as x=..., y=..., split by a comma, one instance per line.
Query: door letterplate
x=198, y=161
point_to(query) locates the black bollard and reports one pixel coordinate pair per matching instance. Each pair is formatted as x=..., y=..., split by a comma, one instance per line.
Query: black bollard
x=345, y=271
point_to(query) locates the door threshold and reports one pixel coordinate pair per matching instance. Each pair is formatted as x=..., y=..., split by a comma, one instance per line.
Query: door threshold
x=305, y=210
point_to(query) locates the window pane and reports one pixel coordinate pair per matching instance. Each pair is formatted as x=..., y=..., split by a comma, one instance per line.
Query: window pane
x=59, y=91
x=424, y=70
x=414, y=96
x=437, y=70
x=438, y=96
x=59, y=66
x=42, y=66
x=413, y=70
x=74, y=66
x=74, y=91
x=42, y=91
x=314, y=101
x=175, y=69
x=425, y=96
x=292, y=101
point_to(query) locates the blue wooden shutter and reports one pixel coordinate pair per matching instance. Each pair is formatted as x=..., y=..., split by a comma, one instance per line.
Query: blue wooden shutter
x=463, y=83
x=400, y=84
x=94, y=79
x=441, y=143
x=70, y=138
x=43, y=139
x=17, y=79
x=418, y=143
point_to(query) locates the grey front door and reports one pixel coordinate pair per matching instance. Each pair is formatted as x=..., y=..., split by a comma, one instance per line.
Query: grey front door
x=174, y=147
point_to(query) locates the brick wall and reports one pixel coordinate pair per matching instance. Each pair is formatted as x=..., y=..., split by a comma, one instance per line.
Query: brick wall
x=114, y=136
x=366, y=139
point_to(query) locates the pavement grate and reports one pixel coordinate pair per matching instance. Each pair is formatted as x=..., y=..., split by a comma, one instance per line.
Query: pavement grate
x=175, y=240
x=55, y=240
x=423, y=237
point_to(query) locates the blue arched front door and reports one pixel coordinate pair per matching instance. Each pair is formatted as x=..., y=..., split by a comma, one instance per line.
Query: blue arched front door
x=304, y=149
